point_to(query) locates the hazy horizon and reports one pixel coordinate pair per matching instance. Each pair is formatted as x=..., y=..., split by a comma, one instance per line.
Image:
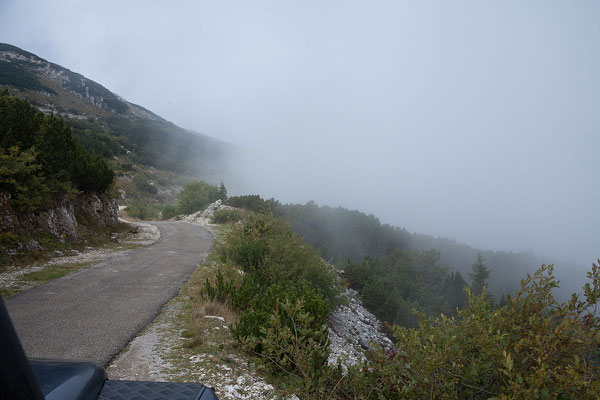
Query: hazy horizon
x=473, y=121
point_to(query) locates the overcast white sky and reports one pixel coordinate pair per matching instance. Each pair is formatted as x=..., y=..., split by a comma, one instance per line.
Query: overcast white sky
x=476, y=120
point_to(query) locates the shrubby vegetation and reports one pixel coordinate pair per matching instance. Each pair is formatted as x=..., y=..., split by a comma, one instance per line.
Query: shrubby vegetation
x=341, y=234
x=40, y=160
x=195, y=196
x=284, y=295
x=532, y=348
x=143, y=184
x=224, y=216
x=254, y=202
x=11, y=74
x=142, y=211
x=169, y=211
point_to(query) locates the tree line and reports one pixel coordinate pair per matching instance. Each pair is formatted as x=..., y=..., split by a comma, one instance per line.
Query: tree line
x=41, y=161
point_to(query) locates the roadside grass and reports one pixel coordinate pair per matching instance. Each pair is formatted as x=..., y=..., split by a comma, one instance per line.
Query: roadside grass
x=205, y=350
x=40, y=276
x=53, y=272
x=198, y=329
x=28, y=269
x=8, y=292
x=220, y=231
x=92, y=234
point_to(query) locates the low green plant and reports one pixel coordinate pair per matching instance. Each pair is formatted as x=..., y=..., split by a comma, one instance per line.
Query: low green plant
x=288, y=330
x=267, y=246
x=283, y=295
x=8, y=239
x=142, y=211
x=195, y=196
x=169, y=211
x=224, y=216
x=143, y=184
x=254, y=202
x=532, y=348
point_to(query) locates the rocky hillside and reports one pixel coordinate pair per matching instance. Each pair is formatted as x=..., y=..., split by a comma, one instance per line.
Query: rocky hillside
x=61, y=220
x=125, y=133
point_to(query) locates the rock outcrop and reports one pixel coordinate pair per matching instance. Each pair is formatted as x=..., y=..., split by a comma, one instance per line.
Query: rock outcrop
x=203, y=217
x=103, y=209
x=60, y=220
x=352, y=330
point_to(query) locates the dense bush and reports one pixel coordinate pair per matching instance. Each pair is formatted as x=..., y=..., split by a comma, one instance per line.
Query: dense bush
x=224, y=216
x=254, y=202
x=142, y=211
x=532, y=348
x=143, y=184
x=13, y=75
x=39, y=157
x=267, y=247
x=169, y=211
x=284, y=296
x=195, y=196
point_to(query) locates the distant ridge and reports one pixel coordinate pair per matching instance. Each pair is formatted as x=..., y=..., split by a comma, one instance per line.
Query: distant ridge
x=108, y=124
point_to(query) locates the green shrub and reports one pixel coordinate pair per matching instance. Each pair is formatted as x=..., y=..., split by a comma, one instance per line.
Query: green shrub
x=533, y=348
x=142, y=211
x=143, y=184
x=288, y=328
x=224, y=216
x=8, y=240
x=169, y=211
x=284, y=296
x=127, y=167
x=254, y=202
x=267, y=246
x=195, y=196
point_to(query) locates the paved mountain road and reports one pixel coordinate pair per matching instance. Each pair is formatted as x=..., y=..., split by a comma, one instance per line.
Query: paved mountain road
x=93, y=313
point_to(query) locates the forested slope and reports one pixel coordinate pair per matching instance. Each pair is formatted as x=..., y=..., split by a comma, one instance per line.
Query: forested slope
x=107, y=124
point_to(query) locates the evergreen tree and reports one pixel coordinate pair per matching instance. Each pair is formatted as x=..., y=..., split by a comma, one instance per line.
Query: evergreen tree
x=479, y=275
x=222, y=192
x=453, y=290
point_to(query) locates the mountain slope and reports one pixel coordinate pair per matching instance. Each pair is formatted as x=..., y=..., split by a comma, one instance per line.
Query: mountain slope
x=108, y=124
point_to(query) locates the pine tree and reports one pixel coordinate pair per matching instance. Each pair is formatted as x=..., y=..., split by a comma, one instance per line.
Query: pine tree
x=222, y=192
x=479, y=275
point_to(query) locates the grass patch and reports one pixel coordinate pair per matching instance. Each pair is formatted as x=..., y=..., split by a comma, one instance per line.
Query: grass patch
x=220, y=231
x=9, y=292
x=53, y=272
x=91, y=233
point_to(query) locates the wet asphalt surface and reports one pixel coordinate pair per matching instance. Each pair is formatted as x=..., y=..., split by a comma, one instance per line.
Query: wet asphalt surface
x=93, y=313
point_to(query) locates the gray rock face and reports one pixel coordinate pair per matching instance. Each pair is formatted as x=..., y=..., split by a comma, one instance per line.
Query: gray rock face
x=59, y=221
x=203, y=217
x=352, y=330
x=100, y=207
x=34, y=246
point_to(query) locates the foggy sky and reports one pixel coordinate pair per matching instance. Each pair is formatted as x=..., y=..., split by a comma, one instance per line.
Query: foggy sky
x=473, y=120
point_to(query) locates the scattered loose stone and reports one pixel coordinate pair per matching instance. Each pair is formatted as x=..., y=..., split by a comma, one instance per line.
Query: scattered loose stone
x=34, y=246
x=352, y=330
x=215, y=317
